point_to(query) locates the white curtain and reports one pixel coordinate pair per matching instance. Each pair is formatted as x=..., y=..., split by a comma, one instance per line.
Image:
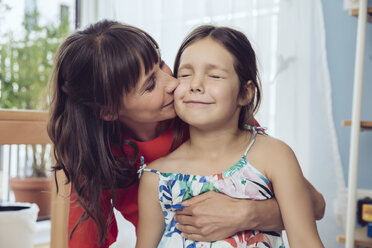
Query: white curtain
x=303, y=114
x=289, y=39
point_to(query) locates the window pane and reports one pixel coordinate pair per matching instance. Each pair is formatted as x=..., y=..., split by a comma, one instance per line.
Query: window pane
x=30, y=33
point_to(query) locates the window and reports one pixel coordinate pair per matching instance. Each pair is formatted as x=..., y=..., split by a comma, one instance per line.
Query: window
x=31, y=33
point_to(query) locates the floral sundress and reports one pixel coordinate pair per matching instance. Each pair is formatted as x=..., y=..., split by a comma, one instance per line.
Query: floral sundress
x=240, y=181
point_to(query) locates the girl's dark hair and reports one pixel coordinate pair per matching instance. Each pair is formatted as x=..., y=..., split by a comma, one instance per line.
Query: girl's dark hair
x=245, y=63
x=93, y=68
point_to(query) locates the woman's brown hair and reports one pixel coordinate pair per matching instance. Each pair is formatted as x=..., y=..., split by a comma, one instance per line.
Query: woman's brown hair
x=93, y=68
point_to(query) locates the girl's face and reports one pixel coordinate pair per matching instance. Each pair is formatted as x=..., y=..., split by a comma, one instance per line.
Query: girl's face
x=152, y=99
x=209, y=86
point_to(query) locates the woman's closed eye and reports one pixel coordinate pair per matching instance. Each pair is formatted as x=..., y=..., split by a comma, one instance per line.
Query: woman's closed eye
x=151, y=84
x=183, y=75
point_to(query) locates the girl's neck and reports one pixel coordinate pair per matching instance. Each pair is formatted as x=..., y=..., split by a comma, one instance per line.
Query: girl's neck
x=214, y=143
x=147, y=131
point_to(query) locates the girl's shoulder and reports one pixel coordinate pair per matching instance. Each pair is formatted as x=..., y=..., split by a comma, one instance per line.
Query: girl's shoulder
x=170, y=161
x=272, y=145
x=273, y=154
x=272, y=150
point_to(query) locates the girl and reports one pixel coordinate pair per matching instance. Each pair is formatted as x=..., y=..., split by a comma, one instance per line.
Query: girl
x=112, y=103
x=219, y=84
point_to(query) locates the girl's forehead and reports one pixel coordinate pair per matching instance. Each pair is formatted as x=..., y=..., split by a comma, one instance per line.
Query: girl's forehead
x=209, y=51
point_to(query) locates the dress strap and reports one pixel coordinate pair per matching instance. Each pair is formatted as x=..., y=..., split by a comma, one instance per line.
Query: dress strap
x=260, y=130
x=143, y=168
x=255, y=130
x=250, y=144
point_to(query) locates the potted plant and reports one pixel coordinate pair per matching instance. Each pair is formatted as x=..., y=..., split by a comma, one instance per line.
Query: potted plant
x=26, y=61
x=35, y=188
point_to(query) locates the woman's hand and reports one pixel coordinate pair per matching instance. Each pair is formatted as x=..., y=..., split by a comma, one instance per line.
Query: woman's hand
x=209, y=217
x=215, y=216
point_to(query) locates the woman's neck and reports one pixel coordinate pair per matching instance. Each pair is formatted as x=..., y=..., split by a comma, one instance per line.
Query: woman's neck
x=147, y=131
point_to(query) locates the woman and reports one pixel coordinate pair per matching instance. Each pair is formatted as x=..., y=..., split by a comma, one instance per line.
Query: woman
x=112, y=103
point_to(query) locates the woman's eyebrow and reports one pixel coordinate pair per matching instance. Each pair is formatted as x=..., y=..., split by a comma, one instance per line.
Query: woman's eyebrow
x=148, y=81
x=151, y=76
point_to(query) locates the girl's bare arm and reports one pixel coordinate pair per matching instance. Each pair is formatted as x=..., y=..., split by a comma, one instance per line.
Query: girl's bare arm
x=293, y=197
x=151, y=218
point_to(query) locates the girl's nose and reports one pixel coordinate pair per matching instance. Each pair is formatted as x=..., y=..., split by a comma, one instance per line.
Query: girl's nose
x=196, y=86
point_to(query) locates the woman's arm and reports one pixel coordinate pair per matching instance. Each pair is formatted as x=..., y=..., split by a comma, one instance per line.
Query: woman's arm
x=293, y=197
x=214, y=216
x=317, y=201
x=150, y=218
x=203, y=220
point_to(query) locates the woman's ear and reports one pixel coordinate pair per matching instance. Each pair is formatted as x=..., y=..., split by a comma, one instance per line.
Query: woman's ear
x=246, y=96
x=107, y=115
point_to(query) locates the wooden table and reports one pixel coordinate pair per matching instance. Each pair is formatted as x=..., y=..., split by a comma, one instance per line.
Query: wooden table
x=360, y=237
x=42, y=246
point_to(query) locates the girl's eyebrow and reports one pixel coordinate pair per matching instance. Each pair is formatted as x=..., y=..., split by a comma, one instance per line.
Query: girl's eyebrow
x=186, y=66
x=208, y=66
x=213, y=66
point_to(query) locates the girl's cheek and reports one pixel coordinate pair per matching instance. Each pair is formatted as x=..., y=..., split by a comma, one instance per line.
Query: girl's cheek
x=180, y=91
x=177, y=105
x=178, y=96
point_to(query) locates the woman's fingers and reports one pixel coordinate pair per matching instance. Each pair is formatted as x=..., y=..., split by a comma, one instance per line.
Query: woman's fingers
x=197, y=199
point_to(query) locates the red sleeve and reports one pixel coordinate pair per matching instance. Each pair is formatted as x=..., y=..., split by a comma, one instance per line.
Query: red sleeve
x=85, y=235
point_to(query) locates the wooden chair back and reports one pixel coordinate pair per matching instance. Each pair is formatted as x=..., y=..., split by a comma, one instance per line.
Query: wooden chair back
x=29, y=127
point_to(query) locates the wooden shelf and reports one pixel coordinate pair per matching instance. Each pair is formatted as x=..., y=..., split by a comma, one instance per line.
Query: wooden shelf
x=355, y=12
x=363, y=124
x=361, y=239
x=23, y=127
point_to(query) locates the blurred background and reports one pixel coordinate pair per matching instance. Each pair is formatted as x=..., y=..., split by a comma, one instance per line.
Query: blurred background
x=306, y=53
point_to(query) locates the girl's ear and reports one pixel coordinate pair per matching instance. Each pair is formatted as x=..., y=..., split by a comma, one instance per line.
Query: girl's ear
x=108, y=115
x=246, y=96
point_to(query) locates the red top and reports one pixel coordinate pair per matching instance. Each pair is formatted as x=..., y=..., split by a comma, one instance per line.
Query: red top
x=85, y=235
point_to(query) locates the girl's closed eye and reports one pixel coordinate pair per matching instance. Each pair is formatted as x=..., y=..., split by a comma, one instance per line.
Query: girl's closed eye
x=215, y=76
x=183, y=75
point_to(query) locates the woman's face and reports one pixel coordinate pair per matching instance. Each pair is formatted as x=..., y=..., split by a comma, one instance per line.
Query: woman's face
x=151, y=101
